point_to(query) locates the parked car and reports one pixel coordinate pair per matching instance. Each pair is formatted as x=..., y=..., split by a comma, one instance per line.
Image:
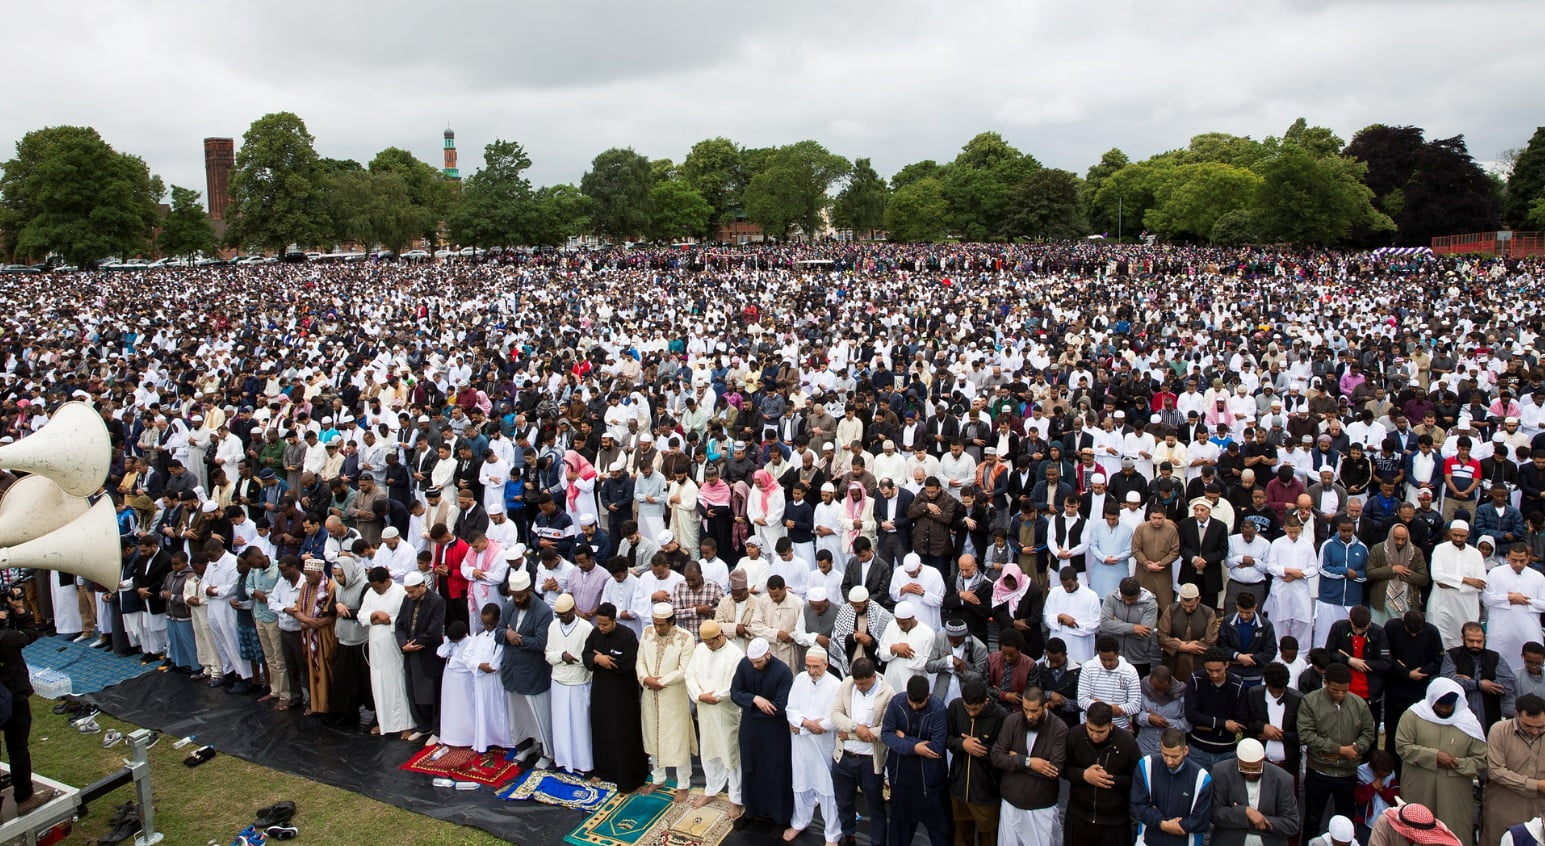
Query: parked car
x=18, y=268
x=416, y=255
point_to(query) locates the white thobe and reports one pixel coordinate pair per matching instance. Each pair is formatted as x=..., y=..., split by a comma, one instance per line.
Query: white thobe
x=712, y=671
x=506, y=534
x=222, y=576
x=897, y=669
x=1083, y=605
x=400, y=561
x=1290, y=605
x=1454, y=603
x=570, y=695
x=812, y=700
x=458, y=695
x=388, y=681
x=66, y=602
x=795, y=572
x=481, y=591
x=491, y=714
x=1510, y=626
x=560, y=576
x=930, y=601
x=624, y=595
x=492, y=477
x=829, y=515
x=648, y=585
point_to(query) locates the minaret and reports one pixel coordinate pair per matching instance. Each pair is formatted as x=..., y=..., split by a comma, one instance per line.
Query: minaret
x=450, y=172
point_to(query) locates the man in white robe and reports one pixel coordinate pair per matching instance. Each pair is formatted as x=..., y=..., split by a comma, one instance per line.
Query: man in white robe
x=655, y=585
x=905, y=646
x=681, y=502
x=1458, y=577
x=219, y=584
x=485, y=567
x=1292, y=562
x=552, y=577
x=809, y=713
x=397, y=557
x=501, y=529
x=566, y=636
x=388, y=681
x=1073, y=614
x=1515, y=598
x=777, y=618
x=621, y=590
x=709, y=675
x=923, y=587
x=490, y=701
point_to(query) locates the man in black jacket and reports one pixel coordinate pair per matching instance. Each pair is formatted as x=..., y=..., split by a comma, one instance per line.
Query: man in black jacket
x=1099, y=766
x=1364, y=647
x=17, y=630
x=1059, y=678
x=893, y=529
x=1029, y=754
x=1250, y=638
x=1215, y=708
x=1271, y=711
x=1203, y=546
x=1416, y=656
x=973, y=723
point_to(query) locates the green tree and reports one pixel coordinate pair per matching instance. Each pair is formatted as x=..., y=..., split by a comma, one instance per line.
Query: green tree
x=495, y=206
x=978, y=203
x=1126, y=195
x=712, y=168
x=918, y=212
x=860, y=206
x=618, y=185
x=428, y=190
x=986, y=151
x=1191, y=198
x=661, y=170
x=558, y=212
x=1537, y=213
x=914, y=172
x=374, y=208
x=1235, y=150
x=1317, y=140
x=1047, y=206
x=1308, y=199
x=676, y=210
x=1234, y=229
x=276, y=188
x=186, y=231
x=69, y=192
x=1112, y=161
x=791, y=189
x=1526, y=186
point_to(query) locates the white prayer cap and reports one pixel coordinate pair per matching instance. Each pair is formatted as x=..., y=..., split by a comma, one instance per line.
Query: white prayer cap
x=904, y=611
x=620, y=465
x=756, y=648
x=817, y=651
x=1341, y=830
x=1134, y=496
x=912, y=563
x=413, y=579
x=754, y=541
x=209, y=506
x=587, y=519
x=1250, y=751
x=665, y=537
x=1097, y=479
x=565, y=603
x=495, y=508
x=1459, y=525
x=819, y=594
x=646, y=438
x=858, y=593
x=662, y=611
x=828, y=487
x=390, y=532
x=520, y=579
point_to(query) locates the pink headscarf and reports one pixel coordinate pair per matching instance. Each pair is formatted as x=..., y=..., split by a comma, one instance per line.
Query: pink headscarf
x=765, y=484
x=581, y=466
x=1002, y=593
x=854, y=511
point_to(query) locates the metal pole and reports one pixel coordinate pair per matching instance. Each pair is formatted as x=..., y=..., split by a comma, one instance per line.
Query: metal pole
x=1120, y=209
x=139, y=766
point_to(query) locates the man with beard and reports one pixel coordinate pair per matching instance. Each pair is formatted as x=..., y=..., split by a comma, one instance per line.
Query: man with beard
x=616, y=731
x=1252, y=802
x=1098, y=765
x=420, y=630
x=524, y=670
x=1029, y=754
x=1444, y=749
x=761, y=689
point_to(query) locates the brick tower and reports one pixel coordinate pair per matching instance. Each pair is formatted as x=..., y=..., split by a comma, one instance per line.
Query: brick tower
x=219, y=158
x=451, y=172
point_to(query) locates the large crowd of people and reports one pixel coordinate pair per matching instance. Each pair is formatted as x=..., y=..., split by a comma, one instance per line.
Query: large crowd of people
x=1069, y=543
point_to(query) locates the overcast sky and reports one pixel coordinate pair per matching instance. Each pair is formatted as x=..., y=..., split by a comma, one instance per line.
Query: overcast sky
x=898, y=81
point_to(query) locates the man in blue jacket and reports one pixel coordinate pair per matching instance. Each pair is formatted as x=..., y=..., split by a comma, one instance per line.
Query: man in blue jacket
x=1343, y=572
x=1171, y=795
x=914, y=730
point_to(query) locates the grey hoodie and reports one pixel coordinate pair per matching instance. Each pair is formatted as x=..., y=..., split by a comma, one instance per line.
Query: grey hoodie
x=1117, y=619
x=1171, y=706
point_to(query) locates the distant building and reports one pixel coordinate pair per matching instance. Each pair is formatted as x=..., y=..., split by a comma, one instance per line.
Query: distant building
x=219, y=159
x=451, y=172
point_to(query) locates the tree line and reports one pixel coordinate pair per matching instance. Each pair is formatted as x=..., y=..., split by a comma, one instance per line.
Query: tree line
x=67, y=192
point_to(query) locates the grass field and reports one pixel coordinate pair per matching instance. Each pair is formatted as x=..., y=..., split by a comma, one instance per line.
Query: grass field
x=215, y=801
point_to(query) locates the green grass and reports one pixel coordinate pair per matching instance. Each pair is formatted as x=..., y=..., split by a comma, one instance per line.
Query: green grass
x=217, y=799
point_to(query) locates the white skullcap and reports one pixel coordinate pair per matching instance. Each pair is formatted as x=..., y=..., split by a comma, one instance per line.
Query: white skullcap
x=390, y=532
x=662, y=611
x=1250, y=751
x=1341, y=829
x=904, y=611
x=619, y=466
x=818, y=594
x=1097, y=479
x=1134, y=496
x=209, y=506
x=858, y=593
x=665, y=537
x=1459, y=524
x=413, y=579
x=515, y=552
x=520, y=580
x=757, y=648
x=817, y=651
x=912, y=563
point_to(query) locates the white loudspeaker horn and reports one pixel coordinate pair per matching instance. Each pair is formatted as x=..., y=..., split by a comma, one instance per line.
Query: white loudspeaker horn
x=88, y=547
x=34, y=506
x=73, y=450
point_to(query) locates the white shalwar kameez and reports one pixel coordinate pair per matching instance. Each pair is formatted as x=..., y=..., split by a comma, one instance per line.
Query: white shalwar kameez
x=812, y=700
x=1454, y=603
x=712, y=671
x=1028, y=827
x=899, y=670
x=222, y=576
x=388, y=681
x=1290, y=605
x=66, y=601
x=1083, y=605
x=490, y=702
x=1509, y=626
x=570, y=695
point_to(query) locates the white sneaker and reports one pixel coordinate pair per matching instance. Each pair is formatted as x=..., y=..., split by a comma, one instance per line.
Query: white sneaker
x=434, y=740
x=83, y=637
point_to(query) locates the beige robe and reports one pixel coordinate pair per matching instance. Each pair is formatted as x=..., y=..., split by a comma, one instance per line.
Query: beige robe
x=773, y=617
x=712, y=671
x=668, y=734
x=1514, y=769
x=1449, y=793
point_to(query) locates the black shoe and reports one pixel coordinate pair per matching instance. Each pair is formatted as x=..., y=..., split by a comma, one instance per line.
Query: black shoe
x=279, y=813
x=741, y=822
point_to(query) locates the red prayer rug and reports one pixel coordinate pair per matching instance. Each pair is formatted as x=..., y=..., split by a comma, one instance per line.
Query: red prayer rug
x=492, y=768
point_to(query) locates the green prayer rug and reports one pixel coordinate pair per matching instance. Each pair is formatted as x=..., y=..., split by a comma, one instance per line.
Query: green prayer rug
x=623, y=820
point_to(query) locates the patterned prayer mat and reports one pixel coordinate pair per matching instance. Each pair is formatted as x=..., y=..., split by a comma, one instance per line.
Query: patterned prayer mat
x=90, y=670
x=493, y=768
x=626, y=819
x=559, y=788
x=685, y=825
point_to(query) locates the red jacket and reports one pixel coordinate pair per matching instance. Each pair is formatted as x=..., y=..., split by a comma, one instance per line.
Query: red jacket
x=451, y=584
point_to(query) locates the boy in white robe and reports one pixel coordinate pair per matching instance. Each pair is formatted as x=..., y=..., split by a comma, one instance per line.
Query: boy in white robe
x=490, y=702
x=1073, y=614
x=566, y=636
x=621, y=591
x=457, y=689
x=809, y=713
